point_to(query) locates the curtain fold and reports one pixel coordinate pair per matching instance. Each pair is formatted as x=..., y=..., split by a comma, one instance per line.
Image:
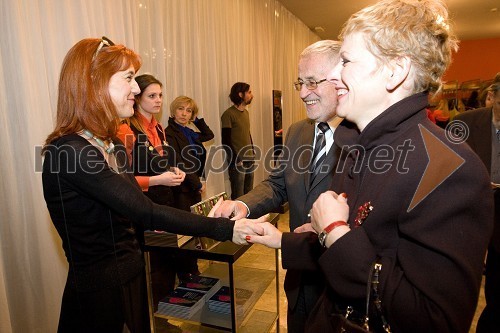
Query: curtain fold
x=197, y=48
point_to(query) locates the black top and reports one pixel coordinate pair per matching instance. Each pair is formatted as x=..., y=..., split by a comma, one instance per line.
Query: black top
x=190, y=158
x=146, y=161
x=96, y=210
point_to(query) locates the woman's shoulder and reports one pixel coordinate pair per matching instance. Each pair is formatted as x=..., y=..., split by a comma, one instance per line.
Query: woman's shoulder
x=71, y=140
x=170, y=129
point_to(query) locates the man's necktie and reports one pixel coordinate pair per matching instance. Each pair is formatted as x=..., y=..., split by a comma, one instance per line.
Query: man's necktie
x=319, y=150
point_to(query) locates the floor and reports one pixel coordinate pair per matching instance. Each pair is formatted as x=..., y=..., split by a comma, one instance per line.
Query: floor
x=261, y=258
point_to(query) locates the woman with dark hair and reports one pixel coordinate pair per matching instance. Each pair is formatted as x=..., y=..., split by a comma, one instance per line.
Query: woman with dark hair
x=152, y=162
x=144, y=137
x=95, y=204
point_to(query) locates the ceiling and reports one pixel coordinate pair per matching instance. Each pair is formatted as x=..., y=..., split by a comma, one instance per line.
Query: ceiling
x=473, y=19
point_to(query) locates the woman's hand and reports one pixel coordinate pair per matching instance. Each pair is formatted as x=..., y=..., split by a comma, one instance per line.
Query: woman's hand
x=328, y=208
x=178, y=172
x=270, y=236
x=245, y=229
x=174, y=177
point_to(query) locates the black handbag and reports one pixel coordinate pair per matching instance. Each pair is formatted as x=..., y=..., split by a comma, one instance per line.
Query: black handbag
x=341, y=323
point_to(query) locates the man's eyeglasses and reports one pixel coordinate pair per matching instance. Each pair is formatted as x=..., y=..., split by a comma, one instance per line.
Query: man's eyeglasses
x=105, y=41
x=310, y=84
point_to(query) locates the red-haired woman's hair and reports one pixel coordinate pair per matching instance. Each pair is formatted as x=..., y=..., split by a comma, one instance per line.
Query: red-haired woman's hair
x=83, y=100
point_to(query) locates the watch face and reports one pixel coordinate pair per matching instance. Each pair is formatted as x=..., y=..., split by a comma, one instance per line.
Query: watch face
x=321, y=238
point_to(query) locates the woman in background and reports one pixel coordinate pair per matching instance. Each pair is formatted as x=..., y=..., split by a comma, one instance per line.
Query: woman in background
x=147, y=148
x=190, y=156
x=154, y=168
x=95, y=204
x=189, y=149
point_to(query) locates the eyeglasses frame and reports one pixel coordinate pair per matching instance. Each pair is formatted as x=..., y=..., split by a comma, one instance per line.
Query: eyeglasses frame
x=312, y=84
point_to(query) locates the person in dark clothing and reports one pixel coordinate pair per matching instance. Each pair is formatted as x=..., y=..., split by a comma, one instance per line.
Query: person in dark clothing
x=483, y=136
x=153, y=165
x=404, y=196
x=300, y=189
x=187, y=145
x=96, y=204
x=190, y=156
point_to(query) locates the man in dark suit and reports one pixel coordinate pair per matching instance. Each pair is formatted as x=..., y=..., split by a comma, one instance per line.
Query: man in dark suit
x=483, y=126
x=303, y=173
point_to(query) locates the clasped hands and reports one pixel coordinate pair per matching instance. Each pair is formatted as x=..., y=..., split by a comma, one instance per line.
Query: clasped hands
x=329, y=207
x=244, y=229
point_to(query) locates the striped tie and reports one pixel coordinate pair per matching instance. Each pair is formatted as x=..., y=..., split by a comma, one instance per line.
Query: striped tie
x=319, y=150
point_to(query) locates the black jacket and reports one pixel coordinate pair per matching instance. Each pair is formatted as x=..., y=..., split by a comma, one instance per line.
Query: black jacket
x=189, y=158
x=430, y=224
x=96, y=211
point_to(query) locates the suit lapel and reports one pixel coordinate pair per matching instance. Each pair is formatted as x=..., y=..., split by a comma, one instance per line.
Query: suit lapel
x=307, y=138
x=481, y=134
x=327, y=166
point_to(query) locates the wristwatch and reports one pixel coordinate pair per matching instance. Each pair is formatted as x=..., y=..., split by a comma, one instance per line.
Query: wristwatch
x=322, y=235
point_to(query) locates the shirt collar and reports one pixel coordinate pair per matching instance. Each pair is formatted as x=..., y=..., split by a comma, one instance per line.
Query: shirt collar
x=333, y=123
x=145, y=123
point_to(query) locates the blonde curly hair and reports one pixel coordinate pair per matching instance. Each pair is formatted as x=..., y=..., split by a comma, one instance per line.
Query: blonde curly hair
x=418, y=29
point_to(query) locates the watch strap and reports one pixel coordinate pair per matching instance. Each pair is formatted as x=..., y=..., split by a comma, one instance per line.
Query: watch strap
x=334, y=225
x=328, y=229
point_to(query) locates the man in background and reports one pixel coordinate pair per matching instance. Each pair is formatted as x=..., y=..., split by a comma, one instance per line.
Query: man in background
x=302, y=175
x=237, y=140
x=483, y=126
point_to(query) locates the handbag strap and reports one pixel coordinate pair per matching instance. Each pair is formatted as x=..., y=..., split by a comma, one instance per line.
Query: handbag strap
x=372, y=290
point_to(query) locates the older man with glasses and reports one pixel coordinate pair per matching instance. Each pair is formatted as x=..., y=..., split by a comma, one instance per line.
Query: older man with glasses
x=305, y=170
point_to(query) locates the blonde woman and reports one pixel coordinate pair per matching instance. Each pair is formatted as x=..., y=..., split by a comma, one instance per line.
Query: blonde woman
x=189, y=150
x=405, y=196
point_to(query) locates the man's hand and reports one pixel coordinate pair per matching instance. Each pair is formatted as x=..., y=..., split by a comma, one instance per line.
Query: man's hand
x=234, y=209
x=307, y=227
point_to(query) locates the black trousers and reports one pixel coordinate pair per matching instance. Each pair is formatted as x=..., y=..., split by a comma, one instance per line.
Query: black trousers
x=184, y=200
x=297, y=316
x=489, y=321
x=106, y=310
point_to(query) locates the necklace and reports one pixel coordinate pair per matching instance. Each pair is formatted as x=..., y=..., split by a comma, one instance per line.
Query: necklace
x=108, y=148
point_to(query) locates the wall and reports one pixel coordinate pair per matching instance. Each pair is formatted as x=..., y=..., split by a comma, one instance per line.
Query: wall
x=476, y=59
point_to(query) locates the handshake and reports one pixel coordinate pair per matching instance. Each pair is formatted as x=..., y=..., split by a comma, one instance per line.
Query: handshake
x=247, y=230
x=329, y=207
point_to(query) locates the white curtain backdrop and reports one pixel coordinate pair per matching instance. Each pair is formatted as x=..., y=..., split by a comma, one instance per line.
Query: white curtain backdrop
x=197, y=48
